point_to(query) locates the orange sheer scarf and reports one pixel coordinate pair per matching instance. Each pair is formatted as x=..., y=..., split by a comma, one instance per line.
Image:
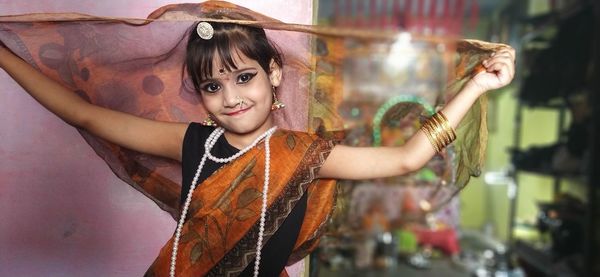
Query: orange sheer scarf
x=135, y=66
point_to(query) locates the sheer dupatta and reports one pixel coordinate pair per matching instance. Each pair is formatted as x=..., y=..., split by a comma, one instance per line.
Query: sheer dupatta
x=136, y=66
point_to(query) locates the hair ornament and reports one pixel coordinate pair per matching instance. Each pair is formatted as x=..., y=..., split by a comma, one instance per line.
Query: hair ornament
x=205, y=30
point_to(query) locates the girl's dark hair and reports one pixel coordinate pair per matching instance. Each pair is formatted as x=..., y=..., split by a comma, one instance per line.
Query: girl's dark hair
x=227, y=39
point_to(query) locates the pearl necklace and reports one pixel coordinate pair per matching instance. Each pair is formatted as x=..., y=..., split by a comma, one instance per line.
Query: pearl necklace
x=208, y=145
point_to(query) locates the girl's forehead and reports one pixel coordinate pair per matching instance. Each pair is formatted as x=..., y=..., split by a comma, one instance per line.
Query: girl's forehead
x=220, y=65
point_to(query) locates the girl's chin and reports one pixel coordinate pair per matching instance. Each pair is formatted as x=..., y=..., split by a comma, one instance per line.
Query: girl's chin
x=244, y=125
x=240, y=128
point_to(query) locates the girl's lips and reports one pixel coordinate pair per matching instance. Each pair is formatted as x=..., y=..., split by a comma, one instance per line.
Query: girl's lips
x=238, y=112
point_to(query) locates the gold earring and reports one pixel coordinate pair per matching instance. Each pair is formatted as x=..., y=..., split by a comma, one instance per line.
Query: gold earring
x=209, y=121
x=276, y=103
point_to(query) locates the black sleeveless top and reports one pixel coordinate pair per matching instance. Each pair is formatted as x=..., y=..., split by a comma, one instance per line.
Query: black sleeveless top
x=278, y=248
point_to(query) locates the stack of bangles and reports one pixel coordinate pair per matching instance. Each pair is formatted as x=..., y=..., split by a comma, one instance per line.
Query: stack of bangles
x=438, y=130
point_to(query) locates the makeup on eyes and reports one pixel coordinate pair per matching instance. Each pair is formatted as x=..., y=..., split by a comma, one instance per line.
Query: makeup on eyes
x=225, y=75
x=250, y=75
x=212, y=85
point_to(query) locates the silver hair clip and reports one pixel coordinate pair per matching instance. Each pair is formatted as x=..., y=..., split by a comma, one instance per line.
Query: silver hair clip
x=205, y=30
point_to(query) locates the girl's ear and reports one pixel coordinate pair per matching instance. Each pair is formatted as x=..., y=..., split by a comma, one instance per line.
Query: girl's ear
x=275, y=73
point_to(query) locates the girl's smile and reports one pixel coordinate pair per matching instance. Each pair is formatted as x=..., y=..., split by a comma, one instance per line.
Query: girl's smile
x=238, y=112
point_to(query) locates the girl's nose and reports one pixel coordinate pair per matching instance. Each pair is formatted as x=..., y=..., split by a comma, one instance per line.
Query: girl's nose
x=230, y=98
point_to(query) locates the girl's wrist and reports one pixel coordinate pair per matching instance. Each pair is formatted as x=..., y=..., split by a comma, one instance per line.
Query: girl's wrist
x=473, y=89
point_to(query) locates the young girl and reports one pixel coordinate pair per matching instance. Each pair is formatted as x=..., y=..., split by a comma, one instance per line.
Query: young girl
x=254, y=197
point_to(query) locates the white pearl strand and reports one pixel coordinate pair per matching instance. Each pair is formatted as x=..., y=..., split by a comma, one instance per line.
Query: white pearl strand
x=208, y=145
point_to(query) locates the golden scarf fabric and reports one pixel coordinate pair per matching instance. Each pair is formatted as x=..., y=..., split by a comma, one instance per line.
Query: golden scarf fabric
x=135, y=66
x=220, y=233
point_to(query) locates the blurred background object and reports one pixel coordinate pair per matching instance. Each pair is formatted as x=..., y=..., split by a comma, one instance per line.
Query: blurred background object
x=534, y=213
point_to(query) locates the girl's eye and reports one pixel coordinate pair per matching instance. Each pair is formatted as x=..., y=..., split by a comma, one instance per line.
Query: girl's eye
x=245, y=77
x=211, y=87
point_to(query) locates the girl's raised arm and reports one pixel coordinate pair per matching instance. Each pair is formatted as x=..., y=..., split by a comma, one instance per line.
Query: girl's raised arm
x=136, y=133
x=354, y=163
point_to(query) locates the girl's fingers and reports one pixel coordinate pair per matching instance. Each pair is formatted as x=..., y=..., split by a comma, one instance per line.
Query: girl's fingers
x=502, y=70
x=501, y=55
x=497, y=63
x=507, y=51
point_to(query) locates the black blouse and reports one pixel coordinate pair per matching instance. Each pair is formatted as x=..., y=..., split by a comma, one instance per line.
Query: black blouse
x=278, y=248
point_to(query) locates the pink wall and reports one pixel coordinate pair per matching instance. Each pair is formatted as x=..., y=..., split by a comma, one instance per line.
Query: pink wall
x=62, y=211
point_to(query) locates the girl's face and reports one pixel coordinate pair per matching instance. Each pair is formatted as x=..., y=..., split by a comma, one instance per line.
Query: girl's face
x=240, y=100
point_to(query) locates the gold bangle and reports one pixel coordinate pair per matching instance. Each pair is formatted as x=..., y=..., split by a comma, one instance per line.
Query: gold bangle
x=426, y=128
x=439, y=132
x=449, y=133
x=434, y=134
x=446, y=124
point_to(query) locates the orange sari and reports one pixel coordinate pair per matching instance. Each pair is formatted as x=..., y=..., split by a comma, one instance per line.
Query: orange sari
x=220, y=234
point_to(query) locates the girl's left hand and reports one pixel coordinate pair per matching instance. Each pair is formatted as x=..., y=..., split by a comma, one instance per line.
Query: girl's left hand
x=499, y=70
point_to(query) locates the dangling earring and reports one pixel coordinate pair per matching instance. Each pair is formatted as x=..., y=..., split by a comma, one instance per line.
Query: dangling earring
x=209, y=121
x=276, y=103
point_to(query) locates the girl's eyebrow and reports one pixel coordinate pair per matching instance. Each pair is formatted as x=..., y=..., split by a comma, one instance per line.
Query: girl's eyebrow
x=234, y=72
x=243, y=69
